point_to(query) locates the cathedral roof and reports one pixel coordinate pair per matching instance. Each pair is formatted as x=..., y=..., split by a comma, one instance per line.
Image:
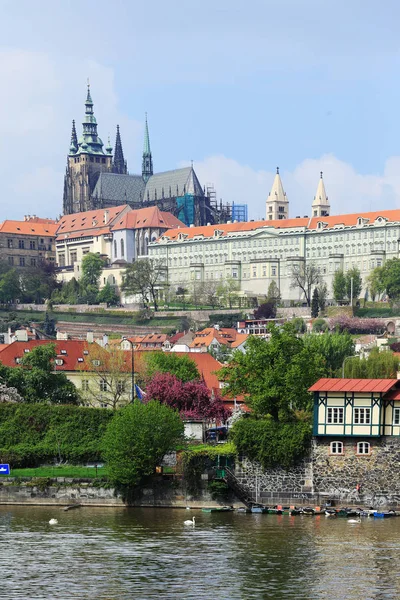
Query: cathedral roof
x=119, y=188
x=320, y=197
x=277, y=193
x=176, y=182
x=91, y=222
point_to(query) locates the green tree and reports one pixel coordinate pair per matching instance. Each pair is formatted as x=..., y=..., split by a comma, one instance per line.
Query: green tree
x=275, y=374
x=355, y=275
x=273, y=293
x=339, y=286
x=92, y=266
x=228, y=291
x=333, y=347
x=108, y=295
x=10, y=286
x=315, y=304
x=183, y=367
x=49, y=325
x=377, y=365
x=322, y=295
x=145, y=277
x=137, y=439
x=388, y=279
x=38, y=282
x=374, y=282
x=305, y=277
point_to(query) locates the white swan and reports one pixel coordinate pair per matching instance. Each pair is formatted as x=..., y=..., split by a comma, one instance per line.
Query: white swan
x=190, y=522
x=354, y=520
x=53, y=522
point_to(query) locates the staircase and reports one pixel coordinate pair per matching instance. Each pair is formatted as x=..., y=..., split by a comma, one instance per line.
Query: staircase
x=242, y=492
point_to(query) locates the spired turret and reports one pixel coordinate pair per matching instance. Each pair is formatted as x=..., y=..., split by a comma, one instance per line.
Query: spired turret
x=320, y=205
x=147, y=162
x=277, y=202
x=119, y=164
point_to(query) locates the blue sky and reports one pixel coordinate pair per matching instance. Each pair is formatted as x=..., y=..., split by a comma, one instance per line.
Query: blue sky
x=239, y=87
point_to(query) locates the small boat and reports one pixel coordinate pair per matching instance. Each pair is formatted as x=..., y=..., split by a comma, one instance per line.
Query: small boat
x=259, y=509
x=308, y=511
x=384, y=515
x=293, y=512
x=213, y=509
x=330, y=512
x=243, y=510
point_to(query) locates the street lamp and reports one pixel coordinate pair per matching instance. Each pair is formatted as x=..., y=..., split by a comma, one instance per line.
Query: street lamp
x=347, y=358
x=132, y=370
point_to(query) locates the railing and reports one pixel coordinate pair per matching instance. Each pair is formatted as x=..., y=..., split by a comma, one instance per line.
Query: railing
x=240, y=490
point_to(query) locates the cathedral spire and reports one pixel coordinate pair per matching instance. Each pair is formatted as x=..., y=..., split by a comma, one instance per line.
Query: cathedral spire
x=90, y=141
x=74, y=140
x=147, y=162
x=119, y=164
x=320, y=205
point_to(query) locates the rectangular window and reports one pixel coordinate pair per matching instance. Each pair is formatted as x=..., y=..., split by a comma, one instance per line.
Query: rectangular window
x=335, y=415
x=336, y=447
x=363, y=448
x=85, y=385
x=9, y=243
x=273, y=271
x=33, y=262
x=396, y=416
x=10, y=260
x=121, y=387
x=32, y=245
x=362, y=416
x=103, y=386
x=21, y=261
x=21, y=244
x=73, y=257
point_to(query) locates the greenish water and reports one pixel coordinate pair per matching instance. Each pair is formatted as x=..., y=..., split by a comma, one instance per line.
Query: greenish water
x=107, y=554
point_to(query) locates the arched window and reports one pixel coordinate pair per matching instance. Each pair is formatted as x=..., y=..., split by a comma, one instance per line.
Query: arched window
x=146, y=243
x=115, y=248
x=122, y=249
x=336, y=447
x=363, y=448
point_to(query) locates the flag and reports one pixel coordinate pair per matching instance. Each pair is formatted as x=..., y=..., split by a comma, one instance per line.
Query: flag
x=140, y=394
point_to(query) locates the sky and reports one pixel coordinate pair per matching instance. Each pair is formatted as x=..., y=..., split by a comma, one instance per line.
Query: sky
x=238, y=87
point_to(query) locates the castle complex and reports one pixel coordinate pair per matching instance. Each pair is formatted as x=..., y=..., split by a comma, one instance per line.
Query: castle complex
x=96, y=177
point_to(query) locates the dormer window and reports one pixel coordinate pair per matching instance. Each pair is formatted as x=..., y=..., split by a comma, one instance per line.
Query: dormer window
x=59, y=362
x=26, y=350
x=63, y=352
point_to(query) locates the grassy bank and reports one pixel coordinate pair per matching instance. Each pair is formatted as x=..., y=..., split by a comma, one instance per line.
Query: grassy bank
x=64, y=471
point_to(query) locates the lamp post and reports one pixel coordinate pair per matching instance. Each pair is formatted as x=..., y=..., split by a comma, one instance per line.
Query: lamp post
x=351, y=292
x=132, y=370
x=347, y=358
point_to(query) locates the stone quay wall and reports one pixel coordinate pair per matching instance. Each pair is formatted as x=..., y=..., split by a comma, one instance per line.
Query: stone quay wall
x=368, y=480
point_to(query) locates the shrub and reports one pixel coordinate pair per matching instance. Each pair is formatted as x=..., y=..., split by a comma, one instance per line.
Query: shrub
x=320, y=325
x=357, y=325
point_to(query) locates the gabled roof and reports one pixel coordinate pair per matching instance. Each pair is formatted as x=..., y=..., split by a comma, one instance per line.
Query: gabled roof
x=151, y=216
x=67, y=350
x=353, y=385
x=225, y=335
x=173, y=183
x=31, y=227
x=91, y=222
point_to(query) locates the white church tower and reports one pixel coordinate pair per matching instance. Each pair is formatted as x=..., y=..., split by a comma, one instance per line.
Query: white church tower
x=320, y=205
x=277, y=202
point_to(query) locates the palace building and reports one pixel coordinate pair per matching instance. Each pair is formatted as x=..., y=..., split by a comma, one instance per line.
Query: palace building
x=98, y=178
x=256, y=253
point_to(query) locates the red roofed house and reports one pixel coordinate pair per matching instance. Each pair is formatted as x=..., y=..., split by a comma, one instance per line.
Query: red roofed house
x=119, y=234
x=213, y=338
x=363, y=410
x=27, y=243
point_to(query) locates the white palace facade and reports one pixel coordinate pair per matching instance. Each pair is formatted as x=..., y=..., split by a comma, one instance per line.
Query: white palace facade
x=256, y=253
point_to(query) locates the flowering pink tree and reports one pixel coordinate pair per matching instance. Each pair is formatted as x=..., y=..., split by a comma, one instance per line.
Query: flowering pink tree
x=192, y=399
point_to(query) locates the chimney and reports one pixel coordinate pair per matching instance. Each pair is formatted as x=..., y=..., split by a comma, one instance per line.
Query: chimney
x=89, y=337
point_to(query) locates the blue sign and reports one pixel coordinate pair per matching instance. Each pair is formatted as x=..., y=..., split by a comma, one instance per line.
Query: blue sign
x=4, y=469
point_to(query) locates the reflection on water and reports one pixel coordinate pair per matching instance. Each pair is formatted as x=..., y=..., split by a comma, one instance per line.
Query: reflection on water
x=107, y=554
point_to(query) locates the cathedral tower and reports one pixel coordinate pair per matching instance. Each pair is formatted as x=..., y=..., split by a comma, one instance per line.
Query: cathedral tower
x=86, y=160
x=147, y=162
x=119, y=164
x=320, y=205
x=277, y=202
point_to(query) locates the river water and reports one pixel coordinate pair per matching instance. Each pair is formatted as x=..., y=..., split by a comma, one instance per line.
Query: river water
x=138, y=553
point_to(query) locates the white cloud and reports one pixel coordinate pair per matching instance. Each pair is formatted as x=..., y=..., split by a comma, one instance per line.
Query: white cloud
x=41, y=96
x=348, y=191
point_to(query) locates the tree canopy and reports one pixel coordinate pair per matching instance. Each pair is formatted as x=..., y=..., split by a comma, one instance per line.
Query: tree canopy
x=377, y=365
x=333, y=347
x=275, y=374
x=305, y=277
x=387, y=278
x=182, y=367
x=192, y=399
x=137, y=438
x=339, y=286
x=92, y=266
x=144, y=277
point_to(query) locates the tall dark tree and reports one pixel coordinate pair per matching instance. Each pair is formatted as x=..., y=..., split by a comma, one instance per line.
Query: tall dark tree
x=315, y=304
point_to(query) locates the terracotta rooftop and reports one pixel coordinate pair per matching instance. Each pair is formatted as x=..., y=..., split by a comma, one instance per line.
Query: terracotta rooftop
x=309, y=223
x=353, y=385
x=91, y=222
x=32, y=228
x=151, y=216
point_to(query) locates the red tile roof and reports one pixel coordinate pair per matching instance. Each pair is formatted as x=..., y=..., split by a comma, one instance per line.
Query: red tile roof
x=67, y=350
x=30, y=228
x=309, y=223
x=151, y=216
x=91, y=222
x=353, y=385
